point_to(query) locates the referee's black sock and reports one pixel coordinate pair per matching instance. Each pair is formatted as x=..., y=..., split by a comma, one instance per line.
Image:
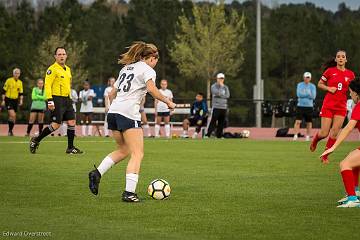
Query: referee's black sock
x=41, y=126
x=48, y=130
x=30, y=125
x=11, y=125
x=70, y=135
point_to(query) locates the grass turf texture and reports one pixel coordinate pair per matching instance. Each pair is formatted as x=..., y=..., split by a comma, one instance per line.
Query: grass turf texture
x=221, y=189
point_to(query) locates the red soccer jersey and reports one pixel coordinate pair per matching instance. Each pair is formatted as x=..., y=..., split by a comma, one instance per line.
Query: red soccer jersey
x=334, y=77
x=355, y=115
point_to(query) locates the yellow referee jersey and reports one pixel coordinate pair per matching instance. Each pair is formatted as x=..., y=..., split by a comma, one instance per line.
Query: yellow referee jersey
x=13, y=88
x=57, y=81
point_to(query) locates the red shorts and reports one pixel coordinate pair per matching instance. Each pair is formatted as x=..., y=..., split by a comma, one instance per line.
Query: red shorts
x=330, y=113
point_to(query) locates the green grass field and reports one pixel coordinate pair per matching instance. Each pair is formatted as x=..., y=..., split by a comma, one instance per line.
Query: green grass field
x=221, y=189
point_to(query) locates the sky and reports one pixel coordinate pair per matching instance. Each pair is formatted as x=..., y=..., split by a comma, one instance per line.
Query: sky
x=327, y=4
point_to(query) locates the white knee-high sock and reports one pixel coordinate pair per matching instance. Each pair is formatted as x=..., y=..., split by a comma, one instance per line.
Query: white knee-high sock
x=157, y=130
x=167, y=130
x=90, y=128
x=131, y=182
x=63, y=129
x=106, y=130
x=147, y=130
x=105, y=165
x=83, y=130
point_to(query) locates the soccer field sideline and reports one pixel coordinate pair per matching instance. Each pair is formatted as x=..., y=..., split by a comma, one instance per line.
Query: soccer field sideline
x=221, y=189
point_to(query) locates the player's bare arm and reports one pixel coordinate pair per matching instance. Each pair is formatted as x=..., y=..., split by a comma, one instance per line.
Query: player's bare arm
x=323, y=86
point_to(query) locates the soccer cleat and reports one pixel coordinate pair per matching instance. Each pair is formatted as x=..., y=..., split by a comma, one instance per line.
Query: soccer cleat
x=295, y=137
x=307, y=139
x=74, y=150
x=344, y=199
x=94, y=181
x=195, y=135
x=33, y=145
x=130, y=197
x=352, y=201
x=325, y=159
x=10, y=134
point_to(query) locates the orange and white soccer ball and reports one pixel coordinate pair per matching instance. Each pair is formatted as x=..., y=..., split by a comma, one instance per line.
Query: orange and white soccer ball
x=159, y=189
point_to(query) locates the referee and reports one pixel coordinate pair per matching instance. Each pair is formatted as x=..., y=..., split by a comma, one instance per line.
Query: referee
x=57, y=92
x=12, y=97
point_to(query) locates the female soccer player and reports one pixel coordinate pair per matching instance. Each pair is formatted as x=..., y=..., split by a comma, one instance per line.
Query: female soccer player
x=111, y=82
x=135, y=79
x=350, y=166
x=38, y=106
x=144, y=120
x=162, y=110
x=335, y=80
x=85, y=97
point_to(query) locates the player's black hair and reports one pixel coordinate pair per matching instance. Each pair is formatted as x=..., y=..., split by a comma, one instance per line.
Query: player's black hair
x=201, y=94
x=58, y=49
x=331, y=61
x=355, y=85
x=86, y=81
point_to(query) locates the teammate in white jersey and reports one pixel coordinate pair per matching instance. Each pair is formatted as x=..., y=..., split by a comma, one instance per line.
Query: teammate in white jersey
x=85, y=97
x=135, y=79
x=111, y=82
x=144, y=120
x=74, y=98
x=162, y=110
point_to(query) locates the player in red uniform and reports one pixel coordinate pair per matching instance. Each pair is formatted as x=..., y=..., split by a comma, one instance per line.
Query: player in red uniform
x=335, y=81
x=351, y=164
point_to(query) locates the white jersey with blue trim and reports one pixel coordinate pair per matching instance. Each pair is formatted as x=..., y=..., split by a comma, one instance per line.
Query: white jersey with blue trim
x=131, y=89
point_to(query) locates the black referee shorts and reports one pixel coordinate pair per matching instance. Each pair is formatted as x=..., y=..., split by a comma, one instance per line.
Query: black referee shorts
x=11, y=104
x=63, y=111
x=304, y=113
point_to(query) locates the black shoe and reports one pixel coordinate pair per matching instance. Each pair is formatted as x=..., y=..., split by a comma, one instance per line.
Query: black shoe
x=10, y=134
x=94, y=180
x=27, y=135
x=130, y=197
x=33, y=145
x=73, y=150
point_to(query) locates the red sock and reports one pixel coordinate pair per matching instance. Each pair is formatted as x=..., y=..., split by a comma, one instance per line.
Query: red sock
x=356, y=176
x=348, y=179
x=331, y=141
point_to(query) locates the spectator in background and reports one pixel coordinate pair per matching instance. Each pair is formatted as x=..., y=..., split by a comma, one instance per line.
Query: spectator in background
x=220, y=94
x=85, y=97
x=198, y=116
x=306, y=93
x=12, y=97
x=74, y=98
x=162, y=110
x=144, y=121
x=349, y=107
x=110, y=83
x=38, y=106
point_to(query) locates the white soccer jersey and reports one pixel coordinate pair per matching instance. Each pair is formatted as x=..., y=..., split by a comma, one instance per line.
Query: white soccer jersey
x=161, y=106
x=86, y=103
x=107, y=91
x=131, y=89
x=74, y=98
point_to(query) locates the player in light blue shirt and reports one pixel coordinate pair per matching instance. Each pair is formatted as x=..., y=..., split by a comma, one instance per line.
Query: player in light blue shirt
x=306, y=93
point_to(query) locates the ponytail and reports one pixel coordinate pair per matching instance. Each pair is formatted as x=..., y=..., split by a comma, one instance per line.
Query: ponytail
x=137, y=51
x=329, y=63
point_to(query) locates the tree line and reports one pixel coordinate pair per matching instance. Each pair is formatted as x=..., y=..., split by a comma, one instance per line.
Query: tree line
x=295, y=38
